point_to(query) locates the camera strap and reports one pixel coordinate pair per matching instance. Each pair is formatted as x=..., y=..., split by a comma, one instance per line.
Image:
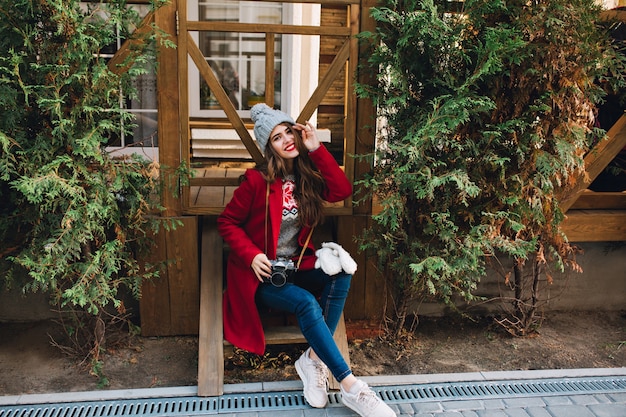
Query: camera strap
x=267, y=208
x=306, y=243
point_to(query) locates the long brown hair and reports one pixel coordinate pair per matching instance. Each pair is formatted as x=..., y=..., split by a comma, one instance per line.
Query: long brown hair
x=309, y=181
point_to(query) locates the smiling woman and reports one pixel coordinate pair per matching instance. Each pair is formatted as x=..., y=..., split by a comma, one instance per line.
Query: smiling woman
x=270, y=219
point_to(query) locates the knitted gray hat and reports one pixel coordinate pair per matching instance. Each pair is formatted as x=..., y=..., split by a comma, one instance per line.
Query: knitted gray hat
x=265, y=120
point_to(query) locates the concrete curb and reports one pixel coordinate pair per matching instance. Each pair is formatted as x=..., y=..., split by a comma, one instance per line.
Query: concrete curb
x=382, y=380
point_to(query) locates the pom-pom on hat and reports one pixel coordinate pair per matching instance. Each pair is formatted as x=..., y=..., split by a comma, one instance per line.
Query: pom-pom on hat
x=265, y=120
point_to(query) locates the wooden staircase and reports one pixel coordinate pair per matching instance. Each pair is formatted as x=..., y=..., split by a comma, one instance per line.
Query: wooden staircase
x=211, y=341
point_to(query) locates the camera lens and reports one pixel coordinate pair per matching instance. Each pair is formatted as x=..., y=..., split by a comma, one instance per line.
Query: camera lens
x=278, y=278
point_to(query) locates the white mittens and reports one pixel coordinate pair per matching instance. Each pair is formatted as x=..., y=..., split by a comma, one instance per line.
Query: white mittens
x=332, y=259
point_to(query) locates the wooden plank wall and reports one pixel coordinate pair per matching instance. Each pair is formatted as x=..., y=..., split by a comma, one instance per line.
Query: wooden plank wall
x=595, y=225
x=169, y=304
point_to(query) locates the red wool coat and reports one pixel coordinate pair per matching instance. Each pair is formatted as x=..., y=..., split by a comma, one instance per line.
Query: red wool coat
x=242, y=226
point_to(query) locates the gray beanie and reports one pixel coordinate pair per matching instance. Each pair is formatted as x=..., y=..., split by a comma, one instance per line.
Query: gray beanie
x=265, y=120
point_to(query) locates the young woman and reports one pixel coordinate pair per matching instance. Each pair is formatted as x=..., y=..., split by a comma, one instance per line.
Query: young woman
x=269, y=218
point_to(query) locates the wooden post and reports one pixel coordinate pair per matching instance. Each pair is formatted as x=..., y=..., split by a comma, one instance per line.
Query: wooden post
x=368, y=292
x=168, y=107
x=211, y=335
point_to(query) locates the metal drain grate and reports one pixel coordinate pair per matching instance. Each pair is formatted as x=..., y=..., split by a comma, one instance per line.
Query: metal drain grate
x=229, y=403
x=491, y=389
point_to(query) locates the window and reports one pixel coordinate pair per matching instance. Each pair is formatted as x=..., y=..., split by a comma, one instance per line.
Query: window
x=238, y=59
x=144, y=136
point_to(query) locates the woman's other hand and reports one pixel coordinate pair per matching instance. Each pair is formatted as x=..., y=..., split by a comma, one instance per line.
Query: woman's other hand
x=261, y=266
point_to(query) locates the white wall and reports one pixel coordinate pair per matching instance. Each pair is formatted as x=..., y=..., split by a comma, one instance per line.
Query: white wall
x=601, y=285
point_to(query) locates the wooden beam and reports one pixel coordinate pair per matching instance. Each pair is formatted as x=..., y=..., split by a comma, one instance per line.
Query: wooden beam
x=365, y=114
x=211, y=334
x=605, y=151
x=183, y=88
x=119, y=62
x=596, y=160
x=213, y=181
x=223, y=99
x=214, y=124
x=168, y=99
x=270, y=45
x=350, y=108
x=614, y=200
x=595, y=225
x=331, y=75
x=268, y=28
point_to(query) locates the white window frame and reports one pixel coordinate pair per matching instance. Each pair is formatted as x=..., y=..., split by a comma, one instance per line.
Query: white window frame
x=150, y=152
x=299, y=73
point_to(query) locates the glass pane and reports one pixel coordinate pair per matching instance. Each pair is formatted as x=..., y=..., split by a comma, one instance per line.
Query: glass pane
x=143, y=102
x=144, y=107
x=238, y=59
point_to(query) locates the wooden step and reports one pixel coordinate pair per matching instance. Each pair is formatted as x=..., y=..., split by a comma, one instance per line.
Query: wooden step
x=283, y=335
x=280, y=335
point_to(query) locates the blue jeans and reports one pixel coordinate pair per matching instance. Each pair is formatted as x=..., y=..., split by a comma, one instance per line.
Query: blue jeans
x=317, y=319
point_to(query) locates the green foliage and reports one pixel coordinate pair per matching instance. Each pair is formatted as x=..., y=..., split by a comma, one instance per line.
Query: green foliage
x=97, y=371
x=485, y=115
x=74, y=220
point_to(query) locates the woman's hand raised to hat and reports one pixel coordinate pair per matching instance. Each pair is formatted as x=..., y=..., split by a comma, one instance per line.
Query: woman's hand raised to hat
x=309, y=135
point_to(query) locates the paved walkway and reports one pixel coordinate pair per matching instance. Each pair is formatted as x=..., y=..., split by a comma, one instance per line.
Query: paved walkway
x=555, y=393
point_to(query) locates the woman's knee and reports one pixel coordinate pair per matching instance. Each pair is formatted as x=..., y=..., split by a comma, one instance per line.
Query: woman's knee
x=309, y=306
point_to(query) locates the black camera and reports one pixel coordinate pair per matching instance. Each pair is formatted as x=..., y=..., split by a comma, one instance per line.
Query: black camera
x=282, y=270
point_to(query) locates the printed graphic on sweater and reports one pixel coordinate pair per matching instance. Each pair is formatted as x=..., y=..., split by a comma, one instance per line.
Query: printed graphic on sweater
x=290, y=206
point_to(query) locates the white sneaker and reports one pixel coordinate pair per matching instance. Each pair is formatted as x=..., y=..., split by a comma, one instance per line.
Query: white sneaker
x=365, y=402
x=314, y=375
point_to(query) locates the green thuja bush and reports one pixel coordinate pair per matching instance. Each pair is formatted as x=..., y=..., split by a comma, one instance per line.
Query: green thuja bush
x=484, y=113
x=73, y=219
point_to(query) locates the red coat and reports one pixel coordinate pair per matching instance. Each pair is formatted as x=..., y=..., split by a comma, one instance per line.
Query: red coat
x=242, y=226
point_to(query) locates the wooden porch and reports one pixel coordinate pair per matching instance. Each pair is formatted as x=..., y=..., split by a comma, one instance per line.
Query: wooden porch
x=593, y=217
x=213, y=198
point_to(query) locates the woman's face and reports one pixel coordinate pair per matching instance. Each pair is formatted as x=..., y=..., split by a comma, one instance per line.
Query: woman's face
x=283, y=142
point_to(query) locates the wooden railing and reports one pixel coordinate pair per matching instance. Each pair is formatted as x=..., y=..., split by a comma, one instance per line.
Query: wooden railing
x=345, y=59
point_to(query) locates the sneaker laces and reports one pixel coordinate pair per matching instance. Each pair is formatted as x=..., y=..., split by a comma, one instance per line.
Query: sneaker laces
x=367, y=397
x=321, y=374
